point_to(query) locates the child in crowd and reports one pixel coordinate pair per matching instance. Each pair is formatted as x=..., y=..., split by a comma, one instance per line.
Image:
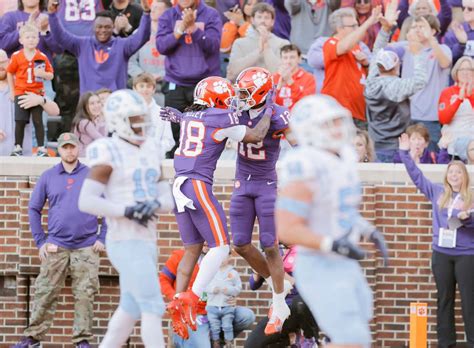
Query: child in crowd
x=88, y=124
x=103, y=94
x=145, y=85
x=27, y=70
x=225, y=286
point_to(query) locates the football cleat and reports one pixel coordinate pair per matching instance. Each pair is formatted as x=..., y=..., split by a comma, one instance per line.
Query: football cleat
x=189, y=304
x=177, y=320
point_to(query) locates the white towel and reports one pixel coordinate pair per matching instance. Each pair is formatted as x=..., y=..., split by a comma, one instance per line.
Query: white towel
x=181, y=200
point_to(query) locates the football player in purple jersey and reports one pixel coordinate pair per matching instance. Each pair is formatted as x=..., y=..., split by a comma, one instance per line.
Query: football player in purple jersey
x=205, y=128
x=255, y=188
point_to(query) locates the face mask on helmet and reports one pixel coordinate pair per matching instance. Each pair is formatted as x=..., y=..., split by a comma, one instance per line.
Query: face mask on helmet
x=321, y=122
x=126, y=114
x=251, y=88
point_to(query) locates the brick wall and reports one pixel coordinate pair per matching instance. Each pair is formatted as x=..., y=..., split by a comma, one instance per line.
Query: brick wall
x=402, y=214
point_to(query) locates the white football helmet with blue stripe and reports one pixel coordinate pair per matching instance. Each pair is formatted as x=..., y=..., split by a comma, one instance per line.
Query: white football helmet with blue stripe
x=320, y=121
x=120, y=106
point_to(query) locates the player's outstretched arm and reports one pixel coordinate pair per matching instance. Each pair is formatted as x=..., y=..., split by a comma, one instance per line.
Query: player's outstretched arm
x=171, y=114
x=292, y=212
x=258, y=133
x=91, y=199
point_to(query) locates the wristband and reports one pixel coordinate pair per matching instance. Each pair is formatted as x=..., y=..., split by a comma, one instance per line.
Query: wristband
x=326, y=244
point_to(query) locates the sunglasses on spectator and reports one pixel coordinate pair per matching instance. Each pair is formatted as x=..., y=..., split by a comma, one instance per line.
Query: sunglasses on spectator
x=363, y=1
x=469, y=9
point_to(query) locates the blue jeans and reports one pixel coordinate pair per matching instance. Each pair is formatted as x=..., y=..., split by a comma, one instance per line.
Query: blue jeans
x=243, y=318
x=221, y=317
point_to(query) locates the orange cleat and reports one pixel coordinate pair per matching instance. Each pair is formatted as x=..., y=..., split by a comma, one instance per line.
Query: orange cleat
x=189, y=303
x=277, y=316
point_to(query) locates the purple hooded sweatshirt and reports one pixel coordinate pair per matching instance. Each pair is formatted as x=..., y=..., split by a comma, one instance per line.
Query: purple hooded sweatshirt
x=101, y=65
x=193, y=57
x=10, y=22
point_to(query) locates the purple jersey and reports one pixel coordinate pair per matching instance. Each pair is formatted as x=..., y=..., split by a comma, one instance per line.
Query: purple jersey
x=77, y=16
x=198, y=152
x=258, y=161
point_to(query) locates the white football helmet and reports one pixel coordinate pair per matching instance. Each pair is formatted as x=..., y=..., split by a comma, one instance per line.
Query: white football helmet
x=119, y=107
x=320, y=121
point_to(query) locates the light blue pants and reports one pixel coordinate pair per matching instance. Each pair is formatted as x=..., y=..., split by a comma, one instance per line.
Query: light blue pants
x=221, y=318
x=337, y=293
x=135, y=261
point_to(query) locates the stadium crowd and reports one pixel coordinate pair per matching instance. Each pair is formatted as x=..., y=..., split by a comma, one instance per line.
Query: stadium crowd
x=404, y=69
x=415, y=69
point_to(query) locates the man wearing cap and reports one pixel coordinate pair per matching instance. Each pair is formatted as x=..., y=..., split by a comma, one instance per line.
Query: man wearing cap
x=71, y=246
x=387, y=95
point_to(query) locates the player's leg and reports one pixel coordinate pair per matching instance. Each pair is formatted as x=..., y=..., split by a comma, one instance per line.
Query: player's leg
x=242, y=220
x=265, y=207
x=209, y=219
x=343, y=312
x=126, y=315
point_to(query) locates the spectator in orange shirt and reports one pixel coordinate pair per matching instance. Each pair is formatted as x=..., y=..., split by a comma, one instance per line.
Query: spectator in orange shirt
x=235, y=28
x=455, y=108
x=292, y=81
x=200, y=338
x=27, y=70
x=345, y=63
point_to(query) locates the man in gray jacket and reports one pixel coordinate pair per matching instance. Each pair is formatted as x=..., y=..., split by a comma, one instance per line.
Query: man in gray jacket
x=387, y=95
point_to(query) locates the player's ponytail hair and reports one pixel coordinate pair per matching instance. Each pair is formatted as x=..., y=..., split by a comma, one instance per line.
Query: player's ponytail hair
x=195, y=107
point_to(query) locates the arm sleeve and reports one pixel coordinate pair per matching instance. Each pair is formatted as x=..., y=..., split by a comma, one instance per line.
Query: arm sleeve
x=166, y=43
x=8, y=34
x=139, y=38
x=403, y=8
x=445, y=16
x=443, y=157
x=168, y=276
x=402, y=88
x=448, y=105
x=236, y=133
x=315, y=53
x=134, y=68
x=92, y=201
x=230, y=32
x=89, y=128
x=293, y=6
x=416, y=175
x=37, y=200
x=210, y=39
x=65, y=39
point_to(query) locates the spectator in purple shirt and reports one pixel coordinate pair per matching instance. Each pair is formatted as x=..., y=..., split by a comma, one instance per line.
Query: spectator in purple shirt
x=102, y=58
x=453, y=243
x=460, y=38
x=189, y=35
x=71, y=246
x=10, y=22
